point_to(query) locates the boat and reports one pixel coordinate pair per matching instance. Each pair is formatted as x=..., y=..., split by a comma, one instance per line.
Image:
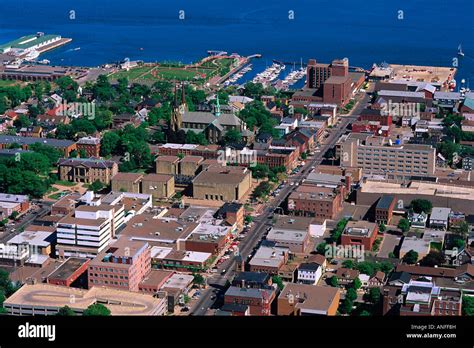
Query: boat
x=460, y=52
x=44, y=61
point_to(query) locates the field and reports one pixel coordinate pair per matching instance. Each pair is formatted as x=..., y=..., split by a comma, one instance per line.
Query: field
x=200, y=72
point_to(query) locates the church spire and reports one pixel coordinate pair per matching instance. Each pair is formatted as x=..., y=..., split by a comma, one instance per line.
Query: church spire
x=217, y=111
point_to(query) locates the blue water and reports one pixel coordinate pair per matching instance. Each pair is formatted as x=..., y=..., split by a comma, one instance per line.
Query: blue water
x=365, y=31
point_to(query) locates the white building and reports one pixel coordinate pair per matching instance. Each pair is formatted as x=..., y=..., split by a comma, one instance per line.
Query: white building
x=309, y=273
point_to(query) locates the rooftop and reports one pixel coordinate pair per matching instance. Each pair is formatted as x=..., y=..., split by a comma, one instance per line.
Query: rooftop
x=119, y=302
x=310, y=298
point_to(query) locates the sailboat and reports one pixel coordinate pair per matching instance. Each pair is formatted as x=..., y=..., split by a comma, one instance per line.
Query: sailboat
x=460, y=52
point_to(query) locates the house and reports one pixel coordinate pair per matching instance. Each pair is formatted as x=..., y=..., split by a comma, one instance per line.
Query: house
x=458, y=256
x=309, y=273
x=418, y=220
x=377, y=280
x=439, y=218
x=346, y=276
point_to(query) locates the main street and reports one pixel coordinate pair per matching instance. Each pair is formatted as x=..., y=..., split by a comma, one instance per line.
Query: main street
x=217, y=283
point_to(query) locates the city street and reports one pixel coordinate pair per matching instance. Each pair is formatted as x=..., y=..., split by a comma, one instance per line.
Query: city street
x=218, y=282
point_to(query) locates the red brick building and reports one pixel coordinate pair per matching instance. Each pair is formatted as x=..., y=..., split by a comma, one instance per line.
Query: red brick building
x=359, y=233
x=259, y=301
x=69, y=271
x=89, y=145
x=320, y=202
x=123, y=265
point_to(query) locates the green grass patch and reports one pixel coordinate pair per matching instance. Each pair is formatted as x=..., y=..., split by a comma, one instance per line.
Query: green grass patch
x=57, y=195
x=65, y=183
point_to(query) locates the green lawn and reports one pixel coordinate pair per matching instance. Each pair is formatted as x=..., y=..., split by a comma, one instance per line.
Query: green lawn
x=57, y=195
x=65, y=183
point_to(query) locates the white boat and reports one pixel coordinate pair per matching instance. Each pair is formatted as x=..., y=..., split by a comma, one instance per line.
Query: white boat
x=460, y=52
x=44, y=61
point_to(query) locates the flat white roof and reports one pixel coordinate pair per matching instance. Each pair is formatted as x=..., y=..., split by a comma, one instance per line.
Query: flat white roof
x=37, y=238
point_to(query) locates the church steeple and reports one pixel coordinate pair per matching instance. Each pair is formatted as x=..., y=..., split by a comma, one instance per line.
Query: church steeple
x=178, y=110
x=217, y=111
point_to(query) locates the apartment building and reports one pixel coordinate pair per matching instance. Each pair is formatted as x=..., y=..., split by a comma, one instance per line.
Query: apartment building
x=379, y=156
x=122, y=265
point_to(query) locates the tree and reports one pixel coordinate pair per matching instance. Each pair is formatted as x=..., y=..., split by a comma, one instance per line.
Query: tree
x=96, y=186
x=337, y=232
x=356, y=284
x=260, y=171
x=334, y=282
x=321, y=248
x=351, y=294
x=248, y=219
x=382, y=228
x=232, y=136
x=367, y=267
x=348, y=264
x=262, y=190
x=404, y=225
x=6, y=285
x=411, y=257
x=463, y=228
x=347, y=306
x=468, y=305
x=421, y=205
x=434, y=258
x=66, y=311
x=97, y=309
x=198, y=279
x=374, y=295
x=278, y=281
x=365, y=313
x=109, y=145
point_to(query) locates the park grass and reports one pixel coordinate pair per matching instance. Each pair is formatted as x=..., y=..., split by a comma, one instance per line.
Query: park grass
x=57, y=195
x=65, y=183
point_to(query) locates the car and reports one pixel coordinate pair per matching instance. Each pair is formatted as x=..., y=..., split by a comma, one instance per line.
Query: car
x=334, y=262
x=223, y=271
x=185, y=309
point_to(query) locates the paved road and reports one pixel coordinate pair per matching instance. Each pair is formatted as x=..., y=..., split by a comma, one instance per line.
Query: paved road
x=24, y=221
x=218, y=282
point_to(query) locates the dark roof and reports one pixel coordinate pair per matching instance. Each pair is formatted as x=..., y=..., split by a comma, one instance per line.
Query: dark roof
x=9, y=139
x=312, y=266
x=86, y=162
x=385, y=202
x=404, y=277
x=234, y=307
x=252, y=277
x=229, y=207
